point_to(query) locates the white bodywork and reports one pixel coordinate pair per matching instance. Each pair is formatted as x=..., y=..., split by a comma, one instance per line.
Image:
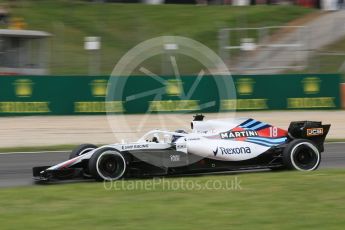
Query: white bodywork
x=201, y=141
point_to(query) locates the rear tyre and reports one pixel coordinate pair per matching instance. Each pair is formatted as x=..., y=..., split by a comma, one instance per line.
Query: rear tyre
x=107, y=164
x=301, y=155
x=81, y=150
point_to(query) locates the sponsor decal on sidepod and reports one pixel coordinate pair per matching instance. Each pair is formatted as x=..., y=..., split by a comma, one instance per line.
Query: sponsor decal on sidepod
x=237, y=134
x=136, y=146
x=241, y=150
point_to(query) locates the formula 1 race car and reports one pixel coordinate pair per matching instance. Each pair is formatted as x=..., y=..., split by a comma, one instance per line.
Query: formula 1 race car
x=211, y=146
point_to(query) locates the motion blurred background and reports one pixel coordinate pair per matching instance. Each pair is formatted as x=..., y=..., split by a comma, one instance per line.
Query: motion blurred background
x=287, y=58
x=287, y=62
x=221, y=25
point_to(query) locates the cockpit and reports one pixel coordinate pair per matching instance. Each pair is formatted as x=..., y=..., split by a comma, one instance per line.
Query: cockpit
x=159, y=136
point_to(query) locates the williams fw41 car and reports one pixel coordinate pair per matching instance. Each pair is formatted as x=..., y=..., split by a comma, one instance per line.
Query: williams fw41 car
x=211, y=146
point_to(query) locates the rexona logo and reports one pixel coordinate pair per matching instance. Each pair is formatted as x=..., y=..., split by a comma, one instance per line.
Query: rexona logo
x=236, y=134
x=226, y=151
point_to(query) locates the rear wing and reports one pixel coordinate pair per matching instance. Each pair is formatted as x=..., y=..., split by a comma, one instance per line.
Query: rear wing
x=311, y=130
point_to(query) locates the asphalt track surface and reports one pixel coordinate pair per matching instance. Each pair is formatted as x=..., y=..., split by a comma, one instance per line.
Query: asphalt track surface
x=16, y=168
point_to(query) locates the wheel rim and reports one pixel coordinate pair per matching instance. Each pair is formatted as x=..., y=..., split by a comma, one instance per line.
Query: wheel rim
x=305, y=157
x=111, y=165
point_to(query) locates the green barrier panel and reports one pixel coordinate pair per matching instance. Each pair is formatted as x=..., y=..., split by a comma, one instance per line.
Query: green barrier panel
x=170, y=95
x=279, y=92
x=63, y=95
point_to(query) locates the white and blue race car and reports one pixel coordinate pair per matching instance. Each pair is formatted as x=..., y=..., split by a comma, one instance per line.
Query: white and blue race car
x=211, y=146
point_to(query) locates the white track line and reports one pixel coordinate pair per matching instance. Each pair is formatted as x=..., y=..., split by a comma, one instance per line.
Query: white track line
x=38, y=152
x=336, y=142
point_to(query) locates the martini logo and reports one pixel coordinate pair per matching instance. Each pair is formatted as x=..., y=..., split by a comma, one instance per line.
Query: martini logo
x=245, y=86
x=311, y=85
x=174, y=87
x=23, y=87
x=230, y=151
x=237, y=134
x=99, y=88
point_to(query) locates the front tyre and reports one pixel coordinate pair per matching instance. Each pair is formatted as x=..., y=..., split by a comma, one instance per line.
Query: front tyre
x=81, y=150
x=107, y=164
x=301, y=155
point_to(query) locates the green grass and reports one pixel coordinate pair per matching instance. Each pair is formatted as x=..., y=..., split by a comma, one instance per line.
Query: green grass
x=286, y=200
x=330, y=63
x=122, y=26
x=335, y=140
x=326, y=61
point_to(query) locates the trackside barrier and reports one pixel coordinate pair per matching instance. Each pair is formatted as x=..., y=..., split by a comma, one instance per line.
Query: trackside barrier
x=78, y=95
